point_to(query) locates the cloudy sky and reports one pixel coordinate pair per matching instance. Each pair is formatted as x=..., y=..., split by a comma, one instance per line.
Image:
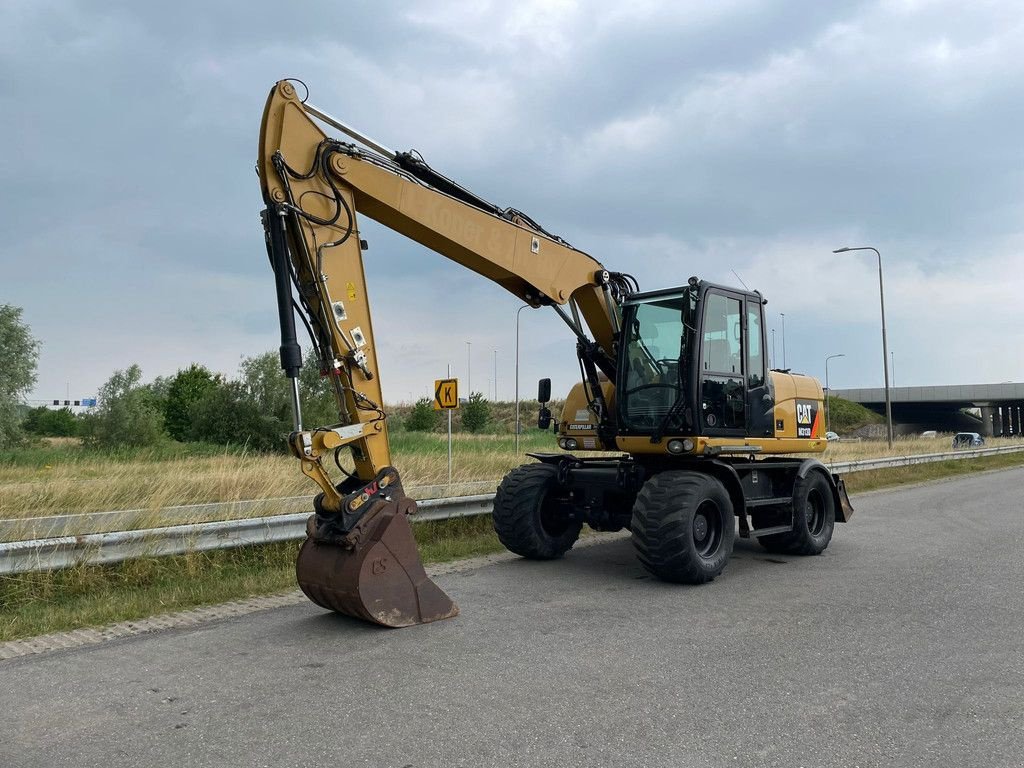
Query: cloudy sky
x=667, y=139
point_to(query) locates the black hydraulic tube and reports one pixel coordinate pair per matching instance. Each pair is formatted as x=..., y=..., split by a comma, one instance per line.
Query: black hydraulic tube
x=291, y=352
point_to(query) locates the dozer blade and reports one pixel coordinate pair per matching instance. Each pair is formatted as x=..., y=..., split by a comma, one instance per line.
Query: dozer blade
x=377, y=575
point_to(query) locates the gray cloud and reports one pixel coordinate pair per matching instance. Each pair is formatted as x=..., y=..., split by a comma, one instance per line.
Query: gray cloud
x=753, y=136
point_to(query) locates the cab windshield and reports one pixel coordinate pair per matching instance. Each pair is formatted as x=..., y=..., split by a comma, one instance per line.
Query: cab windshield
x=658, y=335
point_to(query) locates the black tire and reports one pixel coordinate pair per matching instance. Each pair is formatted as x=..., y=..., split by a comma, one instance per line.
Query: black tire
x=683, y=527
x=814, y=519
x=531, y=516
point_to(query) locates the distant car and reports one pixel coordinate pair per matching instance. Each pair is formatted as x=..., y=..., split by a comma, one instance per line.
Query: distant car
x=967, y=440
x=831, y=436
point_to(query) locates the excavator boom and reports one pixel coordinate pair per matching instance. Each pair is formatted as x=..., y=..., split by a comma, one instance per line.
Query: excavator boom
x=315, y=188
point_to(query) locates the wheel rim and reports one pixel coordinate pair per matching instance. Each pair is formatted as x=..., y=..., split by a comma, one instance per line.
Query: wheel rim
x=815, y=512
x=553, y=519
x=707, y=529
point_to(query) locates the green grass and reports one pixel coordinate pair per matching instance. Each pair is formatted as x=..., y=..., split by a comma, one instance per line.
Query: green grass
x=71, y=451
x=39, y=603
x=86, y=596
x=845, y=416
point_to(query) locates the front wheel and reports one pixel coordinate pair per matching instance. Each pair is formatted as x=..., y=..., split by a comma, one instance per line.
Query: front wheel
x=683, y=527
x=532, y=513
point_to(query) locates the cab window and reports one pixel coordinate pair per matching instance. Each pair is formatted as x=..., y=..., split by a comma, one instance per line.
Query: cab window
x=720, y=352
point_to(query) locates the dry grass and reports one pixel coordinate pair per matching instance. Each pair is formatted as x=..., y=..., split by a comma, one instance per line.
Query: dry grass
x=72, y=481
x=902, y=446
x=75, y=481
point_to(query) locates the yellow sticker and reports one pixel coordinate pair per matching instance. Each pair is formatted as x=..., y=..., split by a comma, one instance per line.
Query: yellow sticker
x=351, y=288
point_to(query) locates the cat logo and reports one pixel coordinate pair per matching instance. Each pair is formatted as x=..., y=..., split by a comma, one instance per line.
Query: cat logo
x=804, y=413
x=808, y=419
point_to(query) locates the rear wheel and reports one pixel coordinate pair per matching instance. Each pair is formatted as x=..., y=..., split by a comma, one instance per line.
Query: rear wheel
x=683, y=527
x=814, y=519
x=531, y=513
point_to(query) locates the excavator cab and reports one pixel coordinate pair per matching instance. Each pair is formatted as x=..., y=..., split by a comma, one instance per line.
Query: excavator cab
x=693, y=363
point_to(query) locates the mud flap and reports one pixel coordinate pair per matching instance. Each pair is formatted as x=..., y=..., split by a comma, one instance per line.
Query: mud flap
x=374, y=573
x=844, y=509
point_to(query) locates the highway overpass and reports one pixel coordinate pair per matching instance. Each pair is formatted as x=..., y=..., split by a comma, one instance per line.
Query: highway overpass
x=940, y=407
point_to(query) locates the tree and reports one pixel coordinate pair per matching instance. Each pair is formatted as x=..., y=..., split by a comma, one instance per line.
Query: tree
x=19, y=352
x=423, y=417
x=125, y=416
x=46, y=422
x=476, y=413
x=269, y=388
x=227, y=414
x=187, y=387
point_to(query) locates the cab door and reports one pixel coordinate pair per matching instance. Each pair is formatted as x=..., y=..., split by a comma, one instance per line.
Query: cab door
x=760, y=398
x=722, y=369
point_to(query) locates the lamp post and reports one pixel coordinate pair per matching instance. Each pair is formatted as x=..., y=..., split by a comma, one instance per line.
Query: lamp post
x=828, y=391
x=885, y=344
x=784, y=340
x=518, y=428
x=775, y=360
x=469, y=379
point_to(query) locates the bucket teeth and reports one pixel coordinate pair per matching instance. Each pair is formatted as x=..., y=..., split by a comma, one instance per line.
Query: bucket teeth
x=375, y=575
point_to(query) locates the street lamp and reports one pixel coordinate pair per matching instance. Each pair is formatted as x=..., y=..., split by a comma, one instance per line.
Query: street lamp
x=775, y=360
x=885, y=344
x=469, y=380
x=828, y=392
x=784, y=340
x=518, y=426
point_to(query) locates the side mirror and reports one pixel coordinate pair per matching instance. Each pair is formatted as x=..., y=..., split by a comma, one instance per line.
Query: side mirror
x=544, y=391
x=544, y=418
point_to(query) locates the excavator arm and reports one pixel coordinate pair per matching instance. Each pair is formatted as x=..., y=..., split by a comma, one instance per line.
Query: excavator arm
x=315, y=188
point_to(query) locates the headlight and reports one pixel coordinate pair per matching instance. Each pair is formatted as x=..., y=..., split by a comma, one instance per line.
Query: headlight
x=677, y=447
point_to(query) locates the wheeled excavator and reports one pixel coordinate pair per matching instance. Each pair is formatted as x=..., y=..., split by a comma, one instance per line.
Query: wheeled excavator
x=689, y=436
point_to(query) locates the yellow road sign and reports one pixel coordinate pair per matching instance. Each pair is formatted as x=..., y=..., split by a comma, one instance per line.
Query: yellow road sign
x=446, y=394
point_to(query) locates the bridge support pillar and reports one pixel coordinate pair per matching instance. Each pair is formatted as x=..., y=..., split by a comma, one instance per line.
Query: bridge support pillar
x=1006, y=420
x=989, y=417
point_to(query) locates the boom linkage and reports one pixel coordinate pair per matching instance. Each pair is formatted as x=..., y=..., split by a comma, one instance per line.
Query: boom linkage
x=316, y=186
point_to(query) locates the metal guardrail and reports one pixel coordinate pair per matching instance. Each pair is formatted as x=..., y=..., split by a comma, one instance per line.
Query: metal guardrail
x=79, y=524
x=52, y=552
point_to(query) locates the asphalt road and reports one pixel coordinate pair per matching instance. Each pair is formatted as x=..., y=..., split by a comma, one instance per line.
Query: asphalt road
x=902, y=645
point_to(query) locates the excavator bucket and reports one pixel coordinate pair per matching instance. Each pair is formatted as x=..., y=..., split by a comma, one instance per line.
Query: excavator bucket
x=374, y=573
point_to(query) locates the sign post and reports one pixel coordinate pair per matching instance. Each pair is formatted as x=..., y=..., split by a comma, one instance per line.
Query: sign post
x=446, y=398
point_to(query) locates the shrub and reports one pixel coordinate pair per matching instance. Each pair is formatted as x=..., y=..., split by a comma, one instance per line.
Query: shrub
x=227, y=414
x=422, y=417
x=187, y=387
x=45, y=422
x=476, y=413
